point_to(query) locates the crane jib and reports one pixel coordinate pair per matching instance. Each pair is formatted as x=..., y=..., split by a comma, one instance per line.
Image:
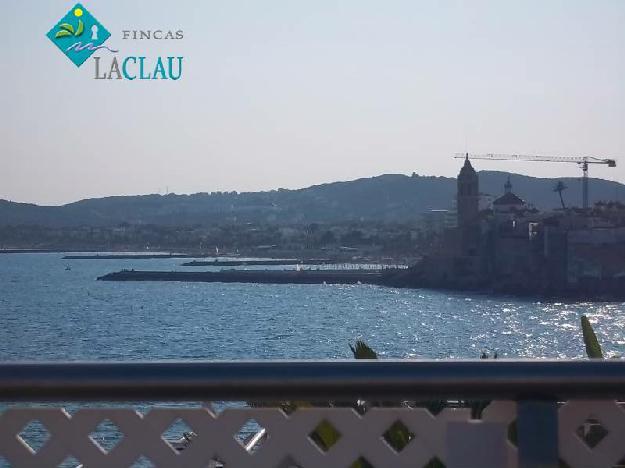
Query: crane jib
x=581, y=161
x=539, y=158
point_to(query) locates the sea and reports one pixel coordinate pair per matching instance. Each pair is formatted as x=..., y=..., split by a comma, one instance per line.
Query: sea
x=54, y=309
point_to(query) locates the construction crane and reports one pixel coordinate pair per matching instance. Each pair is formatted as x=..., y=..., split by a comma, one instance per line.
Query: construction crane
x=581, y=161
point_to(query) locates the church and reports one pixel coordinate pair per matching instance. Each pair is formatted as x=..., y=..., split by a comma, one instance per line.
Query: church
x=507, y=245
x=468, y=207
x=508, y=203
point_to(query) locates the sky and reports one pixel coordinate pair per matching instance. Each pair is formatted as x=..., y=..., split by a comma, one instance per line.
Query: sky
x=281, y=93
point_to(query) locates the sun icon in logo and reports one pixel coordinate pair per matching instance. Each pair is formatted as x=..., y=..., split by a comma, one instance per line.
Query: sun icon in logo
x=78, y=12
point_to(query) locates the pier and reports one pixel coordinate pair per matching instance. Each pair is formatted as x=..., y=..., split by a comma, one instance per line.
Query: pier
x=148, y=256
x=258, y=262
x=362, y=276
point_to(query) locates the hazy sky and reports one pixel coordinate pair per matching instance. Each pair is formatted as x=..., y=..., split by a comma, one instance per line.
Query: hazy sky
x=293, y=93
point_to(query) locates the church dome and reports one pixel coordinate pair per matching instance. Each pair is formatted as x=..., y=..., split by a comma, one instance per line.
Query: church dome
x=509, y=198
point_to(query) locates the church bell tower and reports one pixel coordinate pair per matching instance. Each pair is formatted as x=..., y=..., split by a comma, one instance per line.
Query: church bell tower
x=468, y=196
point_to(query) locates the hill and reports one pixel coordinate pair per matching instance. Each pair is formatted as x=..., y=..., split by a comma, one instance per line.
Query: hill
x=390, y=197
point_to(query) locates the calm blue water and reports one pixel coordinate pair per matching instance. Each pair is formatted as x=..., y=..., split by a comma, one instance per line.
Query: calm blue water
x=49, y=313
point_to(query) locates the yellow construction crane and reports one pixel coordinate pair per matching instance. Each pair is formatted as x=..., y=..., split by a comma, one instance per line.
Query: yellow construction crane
x=581, y=161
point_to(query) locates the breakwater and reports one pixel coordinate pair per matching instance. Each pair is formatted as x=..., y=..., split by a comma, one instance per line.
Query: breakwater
x=31, y=251
x=257, y=276
x=127, y=256
x=260, y=262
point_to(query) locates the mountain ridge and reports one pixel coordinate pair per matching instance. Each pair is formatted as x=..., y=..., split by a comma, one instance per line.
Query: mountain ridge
x=384, y=198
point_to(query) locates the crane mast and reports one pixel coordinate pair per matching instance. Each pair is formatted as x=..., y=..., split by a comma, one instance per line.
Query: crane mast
x=581, y=161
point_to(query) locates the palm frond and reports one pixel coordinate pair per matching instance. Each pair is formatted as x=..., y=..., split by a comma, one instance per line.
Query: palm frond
x=593, y=348
x=361, y=350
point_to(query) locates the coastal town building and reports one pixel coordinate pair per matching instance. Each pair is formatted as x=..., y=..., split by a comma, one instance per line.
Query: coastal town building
x=468, y=209
x=508, y=203
x=437, y=221
x=510, y=246
x=468, y=196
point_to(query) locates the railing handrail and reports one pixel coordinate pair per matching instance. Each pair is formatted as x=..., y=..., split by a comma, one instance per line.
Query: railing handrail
x=345, y=380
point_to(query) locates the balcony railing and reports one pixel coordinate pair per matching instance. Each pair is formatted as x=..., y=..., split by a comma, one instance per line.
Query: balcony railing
x=531, y=414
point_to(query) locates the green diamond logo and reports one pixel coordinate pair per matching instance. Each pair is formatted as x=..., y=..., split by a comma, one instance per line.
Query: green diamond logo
x=78, y=34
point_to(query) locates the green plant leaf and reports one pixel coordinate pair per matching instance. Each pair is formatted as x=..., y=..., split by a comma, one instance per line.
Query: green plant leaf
x=593, y=348
x=81, y=28
x=325, y=435
x=362, y=351
x=67, y=27
x=398, y=436
x=62, y=33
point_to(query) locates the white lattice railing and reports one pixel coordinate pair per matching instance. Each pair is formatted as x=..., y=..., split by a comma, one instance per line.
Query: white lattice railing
x=287, y=441
x=588, y=433
x=591, y=434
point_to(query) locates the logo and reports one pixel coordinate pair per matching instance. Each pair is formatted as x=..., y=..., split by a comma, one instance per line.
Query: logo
x=78, y=35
